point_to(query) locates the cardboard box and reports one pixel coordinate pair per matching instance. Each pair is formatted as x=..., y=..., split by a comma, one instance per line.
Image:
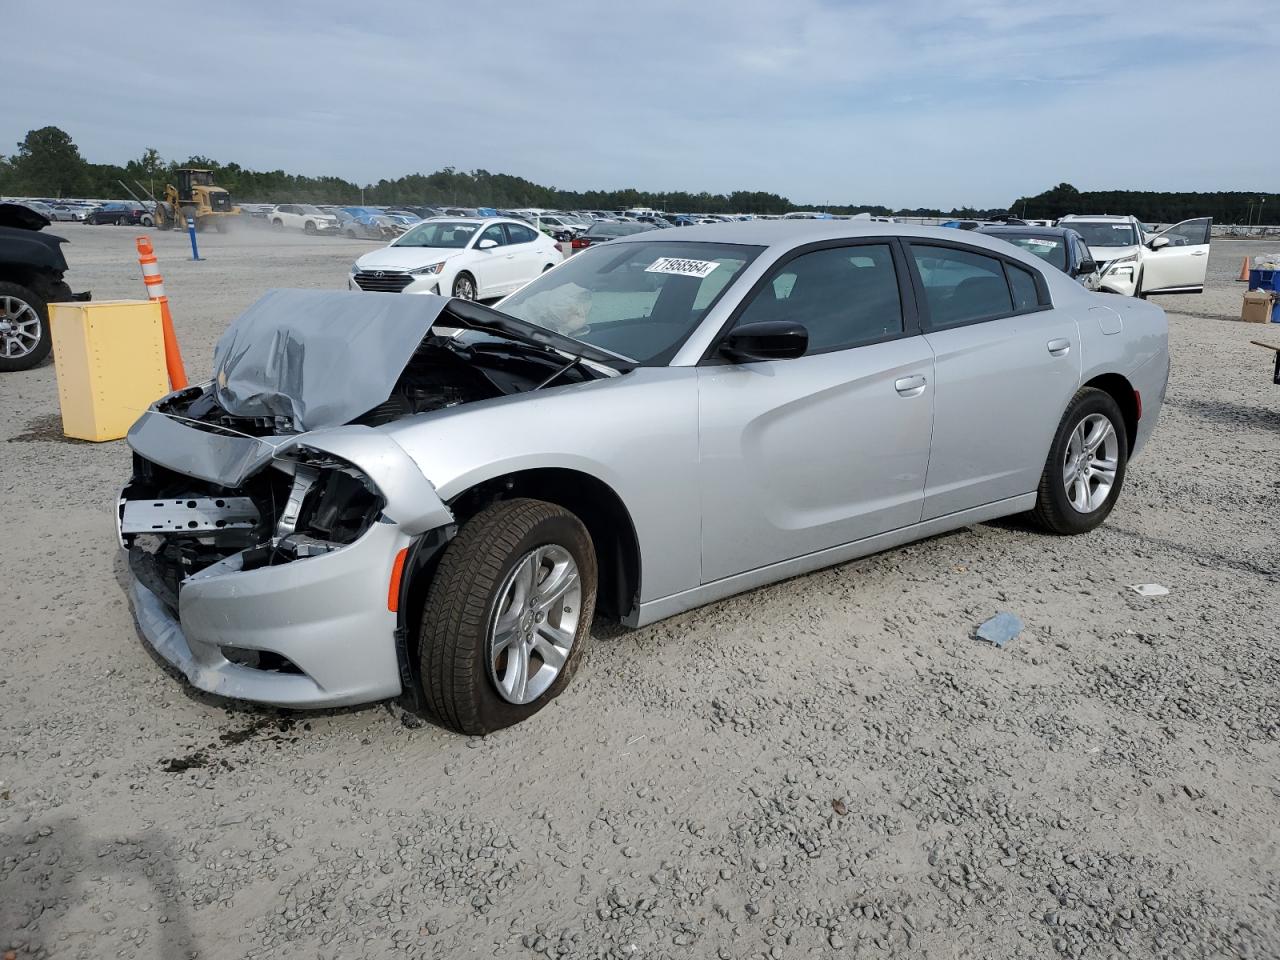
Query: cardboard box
x=109, y=359
x=1257, y=306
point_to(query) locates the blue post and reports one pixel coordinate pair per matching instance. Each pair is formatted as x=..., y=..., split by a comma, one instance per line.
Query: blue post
x=191, y=232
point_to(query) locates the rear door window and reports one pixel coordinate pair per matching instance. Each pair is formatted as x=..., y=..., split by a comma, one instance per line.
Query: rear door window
x=1023, y=286
x=961, y=287
x=519, y=234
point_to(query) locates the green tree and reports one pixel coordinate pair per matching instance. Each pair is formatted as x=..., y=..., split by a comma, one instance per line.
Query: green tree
x=48, y=163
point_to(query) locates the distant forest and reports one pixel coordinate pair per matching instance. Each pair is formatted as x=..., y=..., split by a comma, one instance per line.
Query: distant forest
x=48, y=164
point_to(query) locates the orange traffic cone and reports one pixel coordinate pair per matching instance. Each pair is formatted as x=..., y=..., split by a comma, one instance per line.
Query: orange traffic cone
x=155, y=291
x=1244, y=272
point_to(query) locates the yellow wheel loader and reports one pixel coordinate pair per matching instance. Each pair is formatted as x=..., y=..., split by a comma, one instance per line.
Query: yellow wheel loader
x=198, y=197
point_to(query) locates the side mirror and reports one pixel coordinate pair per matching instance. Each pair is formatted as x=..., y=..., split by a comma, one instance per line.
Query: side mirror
x=486, y=244
x=1159, y=242
x=1086, y=267
x=766, y=340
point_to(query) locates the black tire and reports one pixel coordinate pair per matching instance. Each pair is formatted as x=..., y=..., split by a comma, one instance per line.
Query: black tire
x=309, y=228
x=146, y=221
x=547, y=267
x=350, y=234
x=1053, y=510
x=462, y=602
x=35, y=355
x=460, y=283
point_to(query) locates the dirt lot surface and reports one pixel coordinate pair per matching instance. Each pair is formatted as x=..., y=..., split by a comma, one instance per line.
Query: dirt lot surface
x=828, y=767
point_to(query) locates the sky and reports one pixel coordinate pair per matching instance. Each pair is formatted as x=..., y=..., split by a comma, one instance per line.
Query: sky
x=896, y=102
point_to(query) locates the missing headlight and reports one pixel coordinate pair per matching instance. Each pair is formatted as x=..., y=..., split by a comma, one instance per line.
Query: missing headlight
x=341, y=505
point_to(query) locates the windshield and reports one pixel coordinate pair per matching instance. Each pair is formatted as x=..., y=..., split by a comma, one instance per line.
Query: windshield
x=640, y=300
x=1051, y=249
x=1104, y=234
x=450, y=234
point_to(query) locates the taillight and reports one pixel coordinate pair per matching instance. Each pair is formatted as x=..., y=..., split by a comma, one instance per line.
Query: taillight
x=578, y=243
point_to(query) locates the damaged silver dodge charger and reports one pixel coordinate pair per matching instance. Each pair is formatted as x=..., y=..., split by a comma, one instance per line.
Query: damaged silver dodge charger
x=380, y=495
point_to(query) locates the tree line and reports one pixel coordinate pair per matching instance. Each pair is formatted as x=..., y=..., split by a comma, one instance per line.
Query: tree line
x=48, y=164
x=1150, y=206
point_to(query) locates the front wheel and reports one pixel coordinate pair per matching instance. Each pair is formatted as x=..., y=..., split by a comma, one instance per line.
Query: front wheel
x=309, y=228
x=464, y=287
x=24, y=328
x=507, y=616
x=1086, y=465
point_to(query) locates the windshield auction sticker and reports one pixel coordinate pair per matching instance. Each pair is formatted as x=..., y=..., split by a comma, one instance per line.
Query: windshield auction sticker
x=681, y=267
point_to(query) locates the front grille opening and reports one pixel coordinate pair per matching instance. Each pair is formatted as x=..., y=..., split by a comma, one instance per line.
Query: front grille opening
x=382, y=281
x=264, y=660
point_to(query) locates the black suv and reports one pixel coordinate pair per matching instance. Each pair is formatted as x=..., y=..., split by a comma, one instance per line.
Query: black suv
x=31, y=271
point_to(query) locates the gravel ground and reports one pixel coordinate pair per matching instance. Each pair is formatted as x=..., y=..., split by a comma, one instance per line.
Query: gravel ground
x=827, y=767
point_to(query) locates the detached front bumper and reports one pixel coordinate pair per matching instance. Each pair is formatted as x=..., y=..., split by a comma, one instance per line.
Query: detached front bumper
x=323, y=621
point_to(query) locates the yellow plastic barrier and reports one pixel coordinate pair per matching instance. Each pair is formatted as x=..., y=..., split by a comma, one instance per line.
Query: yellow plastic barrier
x=109, y=359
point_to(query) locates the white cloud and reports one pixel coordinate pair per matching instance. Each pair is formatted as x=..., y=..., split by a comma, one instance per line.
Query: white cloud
x=896, y=102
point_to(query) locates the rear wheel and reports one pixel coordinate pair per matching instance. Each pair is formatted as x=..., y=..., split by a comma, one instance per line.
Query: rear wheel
x=1086, y=465
x=277, y=224
x=24, y=328
x=507, y=616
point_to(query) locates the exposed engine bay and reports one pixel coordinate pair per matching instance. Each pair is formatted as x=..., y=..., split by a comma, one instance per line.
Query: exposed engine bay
x=443, y=372
x=294, y=501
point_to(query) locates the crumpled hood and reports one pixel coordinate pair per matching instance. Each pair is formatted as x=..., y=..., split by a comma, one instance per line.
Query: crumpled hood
x=320, y=357
x=404, y=258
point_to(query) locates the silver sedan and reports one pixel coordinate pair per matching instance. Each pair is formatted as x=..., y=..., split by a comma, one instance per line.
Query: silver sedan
x=381, y=495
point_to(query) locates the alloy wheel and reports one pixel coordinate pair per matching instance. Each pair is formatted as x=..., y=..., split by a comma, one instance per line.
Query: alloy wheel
x=20, y=328
x=1090, y=464
x=464, y=288
x=534, y=623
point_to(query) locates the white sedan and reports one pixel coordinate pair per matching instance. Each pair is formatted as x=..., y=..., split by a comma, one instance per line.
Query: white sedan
x=472, y=259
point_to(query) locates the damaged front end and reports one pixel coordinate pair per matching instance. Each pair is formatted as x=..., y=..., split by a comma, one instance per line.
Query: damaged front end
x=275, y=588
x=267, y=518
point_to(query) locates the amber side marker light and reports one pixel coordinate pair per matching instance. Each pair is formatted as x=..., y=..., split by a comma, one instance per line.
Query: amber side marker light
x=397, y=573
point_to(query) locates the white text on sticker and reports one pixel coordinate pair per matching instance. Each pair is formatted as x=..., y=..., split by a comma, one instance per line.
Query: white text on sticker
x=681, y=267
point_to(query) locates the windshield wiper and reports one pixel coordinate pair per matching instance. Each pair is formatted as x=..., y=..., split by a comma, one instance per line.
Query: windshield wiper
x=474, y=316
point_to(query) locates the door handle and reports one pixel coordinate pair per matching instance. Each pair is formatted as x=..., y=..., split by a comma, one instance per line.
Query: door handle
x=1200, y=253
x=910, y=386
x=1059, y=348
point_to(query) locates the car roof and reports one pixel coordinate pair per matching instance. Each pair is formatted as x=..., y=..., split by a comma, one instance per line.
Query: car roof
x=795, y=233
x=478, y=220
x=1098, y=218
x=1028, y=230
